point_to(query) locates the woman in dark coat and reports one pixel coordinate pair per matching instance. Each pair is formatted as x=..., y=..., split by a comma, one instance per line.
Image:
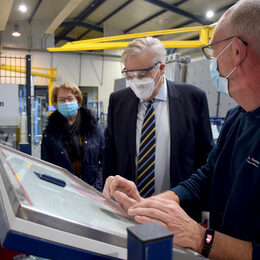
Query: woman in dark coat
x=73, y=139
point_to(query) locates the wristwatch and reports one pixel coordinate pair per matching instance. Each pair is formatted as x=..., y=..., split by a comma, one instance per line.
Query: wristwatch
x=208, y=241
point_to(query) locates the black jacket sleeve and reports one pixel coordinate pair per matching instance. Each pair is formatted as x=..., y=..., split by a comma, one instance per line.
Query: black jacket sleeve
x=110, y=153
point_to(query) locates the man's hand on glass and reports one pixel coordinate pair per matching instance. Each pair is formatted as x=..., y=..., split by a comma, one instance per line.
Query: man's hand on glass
x=122, y=190
x=167, y=212
x=187, y=232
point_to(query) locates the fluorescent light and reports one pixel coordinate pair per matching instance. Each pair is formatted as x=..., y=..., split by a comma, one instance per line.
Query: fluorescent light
x=210, y=14
x=16, y=32
x=23, y=8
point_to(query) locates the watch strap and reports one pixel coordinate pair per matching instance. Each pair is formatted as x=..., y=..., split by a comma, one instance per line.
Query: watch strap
x=208, y=241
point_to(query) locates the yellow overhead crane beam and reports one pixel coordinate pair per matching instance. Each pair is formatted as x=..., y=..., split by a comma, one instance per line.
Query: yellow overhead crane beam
x=108, y=42
x=21, y=69
x=51, y=75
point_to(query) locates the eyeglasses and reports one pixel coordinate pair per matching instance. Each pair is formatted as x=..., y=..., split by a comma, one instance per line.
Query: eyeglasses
x=208, y=50
x=140, y=73
x=62, y=100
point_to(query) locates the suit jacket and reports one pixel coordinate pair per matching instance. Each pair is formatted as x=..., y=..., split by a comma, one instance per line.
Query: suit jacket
x=191, y=137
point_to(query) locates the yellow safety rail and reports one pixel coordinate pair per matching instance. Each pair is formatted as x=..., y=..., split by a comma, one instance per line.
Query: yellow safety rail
x=51, y=75
x=21, y=69
x=108, y=42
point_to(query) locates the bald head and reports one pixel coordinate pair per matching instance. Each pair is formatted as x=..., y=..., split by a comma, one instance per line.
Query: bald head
x=242, y=20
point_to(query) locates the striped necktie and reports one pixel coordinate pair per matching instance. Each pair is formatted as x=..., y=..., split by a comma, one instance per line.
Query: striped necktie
x=146, y=159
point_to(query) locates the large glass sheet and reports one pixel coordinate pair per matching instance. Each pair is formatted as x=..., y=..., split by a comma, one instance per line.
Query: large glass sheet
x=77, y=207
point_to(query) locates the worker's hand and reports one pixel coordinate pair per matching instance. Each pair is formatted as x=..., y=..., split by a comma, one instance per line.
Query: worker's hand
x=187, y=232
x=122, y=190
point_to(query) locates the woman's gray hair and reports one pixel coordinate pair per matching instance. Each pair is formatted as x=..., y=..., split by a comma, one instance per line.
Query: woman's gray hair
x=244, y=21
x=141, y=45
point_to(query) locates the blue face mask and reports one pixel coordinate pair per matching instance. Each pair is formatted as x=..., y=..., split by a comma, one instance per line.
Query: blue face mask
x=68, y=109
x=220, y=83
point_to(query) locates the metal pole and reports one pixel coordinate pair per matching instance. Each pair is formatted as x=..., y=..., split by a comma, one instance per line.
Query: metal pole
x=28, y=101
x=218, y=105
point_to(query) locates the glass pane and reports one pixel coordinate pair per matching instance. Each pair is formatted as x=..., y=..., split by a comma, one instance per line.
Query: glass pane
x=76, y=208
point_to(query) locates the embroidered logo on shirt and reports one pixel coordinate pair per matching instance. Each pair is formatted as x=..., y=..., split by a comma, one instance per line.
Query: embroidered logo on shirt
x=253, y=161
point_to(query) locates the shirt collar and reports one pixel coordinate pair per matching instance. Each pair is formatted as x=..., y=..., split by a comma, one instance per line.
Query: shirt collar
x=162, y=94
x=255, y=113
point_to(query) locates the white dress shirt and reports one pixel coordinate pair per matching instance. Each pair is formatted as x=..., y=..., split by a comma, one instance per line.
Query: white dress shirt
x=163, y=141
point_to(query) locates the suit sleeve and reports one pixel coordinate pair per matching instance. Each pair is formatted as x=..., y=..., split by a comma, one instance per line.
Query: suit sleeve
x=204, y=139
x=110, y=153
x=196, y=188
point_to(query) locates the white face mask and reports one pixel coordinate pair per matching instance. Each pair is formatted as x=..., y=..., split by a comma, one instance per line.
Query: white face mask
x=143, y=88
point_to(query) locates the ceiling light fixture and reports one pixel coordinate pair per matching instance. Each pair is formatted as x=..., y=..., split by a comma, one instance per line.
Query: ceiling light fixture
x=23, y=8
x=210, y=14
x=16, y=32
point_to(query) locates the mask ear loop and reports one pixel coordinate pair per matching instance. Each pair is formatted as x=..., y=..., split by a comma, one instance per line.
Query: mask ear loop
x=156, y=71
x=159, y=78
x=220, y=55
x=239, y=63
x=224, y=49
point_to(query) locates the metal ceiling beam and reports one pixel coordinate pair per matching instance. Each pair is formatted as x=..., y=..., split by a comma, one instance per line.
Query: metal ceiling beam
x=68, y=39
x=220, y=10
x=82, y=24
x=179, y=11
x=35, y=10
x=107, y=17
x=153, y=16
x=115, y=11
x=138, y=35
x=63, y=14
x=114, y=42
x=90, y=9
x=84, y=14
x=145, y=21
x=224, y=8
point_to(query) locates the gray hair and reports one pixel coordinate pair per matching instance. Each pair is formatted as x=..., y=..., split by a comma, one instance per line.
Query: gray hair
x=244, y=21
x=141, y=45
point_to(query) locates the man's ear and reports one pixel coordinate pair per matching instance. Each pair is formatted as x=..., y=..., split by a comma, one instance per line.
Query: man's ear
x=162, y=68
x=239, y=51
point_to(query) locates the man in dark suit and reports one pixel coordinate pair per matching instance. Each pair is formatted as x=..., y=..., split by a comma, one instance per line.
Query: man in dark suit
x=183, y=132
